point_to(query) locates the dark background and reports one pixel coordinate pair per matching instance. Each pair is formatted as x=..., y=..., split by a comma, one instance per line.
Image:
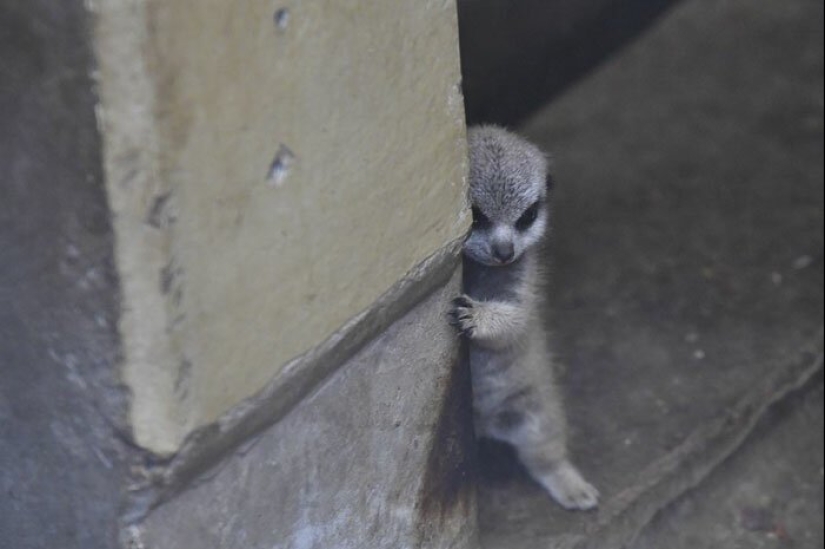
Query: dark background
x=518, y=54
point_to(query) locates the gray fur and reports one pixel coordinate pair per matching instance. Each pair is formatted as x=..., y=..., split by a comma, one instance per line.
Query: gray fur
x=515, y=397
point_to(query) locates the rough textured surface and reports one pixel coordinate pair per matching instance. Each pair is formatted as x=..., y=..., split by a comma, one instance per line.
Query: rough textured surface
x=688, y=251
x=284, y=169
x=210, y=444
x=769, y=496
x=62, y=414
x=378, y=457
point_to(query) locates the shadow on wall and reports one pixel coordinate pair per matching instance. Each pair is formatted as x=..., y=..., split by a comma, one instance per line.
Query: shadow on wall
x=518, y=55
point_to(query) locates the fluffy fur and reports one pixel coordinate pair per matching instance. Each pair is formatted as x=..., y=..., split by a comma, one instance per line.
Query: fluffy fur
x=515, y=397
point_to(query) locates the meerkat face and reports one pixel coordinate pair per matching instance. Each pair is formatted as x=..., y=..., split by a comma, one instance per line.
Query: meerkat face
x=501, y=240
x=508, y=193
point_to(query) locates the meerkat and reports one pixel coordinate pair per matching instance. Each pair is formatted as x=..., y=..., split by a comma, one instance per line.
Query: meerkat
x=515, y=397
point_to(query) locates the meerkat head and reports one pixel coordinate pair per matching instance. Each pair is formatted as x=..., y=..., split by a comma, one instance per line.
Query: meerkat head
x=508, y=192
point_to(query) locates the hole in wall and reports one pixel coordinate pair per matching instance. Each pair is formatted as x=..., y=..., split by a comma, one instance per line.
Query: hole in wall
x=282, y=19
x=280, y=166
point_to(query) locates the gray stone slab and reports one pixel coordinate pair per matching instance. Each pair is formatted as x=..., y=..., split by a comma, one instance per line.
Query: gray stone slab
x=770, y=495
x=63, y=459
x=687, y=256
x=380, y=456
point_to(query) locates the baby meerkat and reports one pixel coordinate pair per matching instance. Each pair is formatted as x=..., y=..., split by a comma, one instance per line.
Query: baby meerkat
x=515, y=398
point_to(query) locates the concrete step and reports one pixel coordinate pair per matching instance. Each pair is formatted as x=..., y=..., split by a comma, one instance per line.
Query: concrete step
x=768, y=496
x=687, y=297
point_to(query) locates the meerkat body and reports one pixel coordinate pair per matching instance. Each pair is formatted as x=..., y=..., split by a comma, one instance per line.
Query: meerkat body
x=515, y=397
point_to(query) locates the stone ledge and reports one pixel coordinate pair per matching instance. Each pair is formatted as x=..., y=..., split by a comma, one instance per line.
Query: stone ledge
x=379, y=456
x=688, y=465
x=768, y=495
x=157, y=481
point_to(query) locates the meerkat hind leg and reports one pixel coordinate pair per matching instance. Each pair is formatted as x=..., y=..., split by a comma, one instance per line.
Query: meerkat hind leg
x=558, y=476
x=532, y=420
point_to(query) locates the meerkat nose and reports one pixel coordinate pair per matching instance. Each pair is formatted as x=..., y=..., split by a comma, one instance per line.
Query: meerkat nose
x=503, y=251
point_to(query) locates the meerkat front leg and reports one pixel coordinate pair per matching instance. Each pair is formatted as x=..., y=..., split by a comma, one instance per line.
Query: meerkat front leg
x=493, y=324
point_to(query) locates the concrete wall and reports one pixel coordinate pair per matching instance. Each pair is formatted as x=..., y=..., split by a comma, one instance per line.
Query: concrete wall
x=227, y=271
x=230, y=233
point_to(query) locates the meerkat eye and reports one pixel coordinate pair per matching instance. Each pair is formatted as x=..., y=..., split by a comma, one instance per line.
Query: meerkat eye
x=528, y=217
x=480, y=221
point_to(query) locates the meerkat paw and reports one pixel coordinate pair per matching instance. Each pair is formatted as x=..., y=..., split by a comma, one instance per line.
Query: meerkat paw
x=462, y=315
x=569, y=489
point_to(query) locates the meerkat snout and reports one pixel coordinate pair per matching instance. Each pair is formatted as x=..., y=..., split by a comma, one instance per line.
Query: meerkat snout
x=503, y=251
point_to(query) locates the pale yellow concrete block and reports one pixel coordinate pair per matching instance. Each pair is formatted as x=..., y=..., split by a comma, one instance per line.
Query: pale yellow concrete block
x=227, y=273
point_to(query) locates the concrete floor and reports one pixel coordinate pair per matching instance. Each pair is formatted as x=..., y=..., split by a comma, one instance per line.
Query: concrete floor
x=688, y=272
x=768, y=496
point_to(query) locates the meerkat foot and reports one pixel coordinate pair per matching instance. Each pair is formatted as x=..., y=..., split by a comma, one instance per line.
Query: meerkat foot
x=462, y=315
x=569, y=489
